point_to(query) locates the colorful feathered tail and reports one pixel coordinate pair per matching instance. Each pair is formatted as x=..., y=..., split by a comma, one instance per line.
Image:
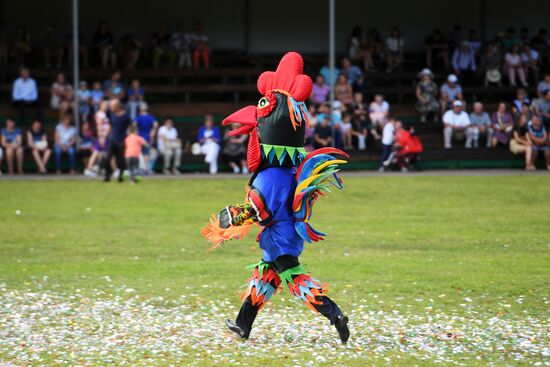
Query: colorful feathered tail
x=315, y=175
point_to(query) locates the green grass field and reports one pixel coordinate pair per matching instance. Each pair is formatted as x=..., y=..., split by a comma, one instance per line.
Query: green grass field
x=431, y=270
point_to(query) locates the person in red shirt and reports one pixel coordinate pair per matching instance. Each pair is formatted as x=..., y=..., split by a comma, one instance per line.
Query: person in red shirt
x=133, y=144
x=407, y=145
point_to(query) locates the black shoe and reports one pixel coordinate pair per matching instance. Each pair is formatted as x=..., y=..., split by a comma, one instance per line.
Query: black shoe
x=237, y=330
x=342, y=327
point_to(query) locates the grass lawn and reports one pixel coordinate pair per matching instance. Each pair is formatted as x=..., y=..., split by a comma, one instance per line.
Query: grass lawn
x=431, y=270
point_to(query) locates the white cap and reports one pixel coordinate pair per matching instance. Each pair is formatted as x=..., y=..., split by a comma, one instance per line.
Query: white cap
x=452, y=78
x=457, y=104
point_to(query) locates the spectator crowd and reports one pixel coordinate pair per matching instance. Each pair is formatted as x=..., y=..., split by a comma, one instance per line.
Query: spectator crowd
x=118, y=131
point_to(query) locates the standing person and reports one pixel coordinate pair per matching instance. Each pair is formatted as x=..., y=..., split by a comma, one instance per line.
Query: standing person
x=120, y=122
x=387, y=143
x=210, y=139
x=134, y=143
x=25, y=94
x=147, y=127
x=38, y=142
x=169, y=145
x=464, y=63
x=12, y=142
x=65, y=140
x=202, y=50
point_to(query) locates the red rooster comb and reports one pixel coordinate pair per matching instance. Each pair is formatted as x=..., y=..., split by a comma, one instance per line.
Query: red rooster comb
x=287, y=78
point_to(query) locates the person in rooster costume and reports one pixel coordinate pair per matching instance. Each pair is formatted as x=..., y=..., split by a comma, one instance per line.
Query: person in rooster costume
x=281, y=192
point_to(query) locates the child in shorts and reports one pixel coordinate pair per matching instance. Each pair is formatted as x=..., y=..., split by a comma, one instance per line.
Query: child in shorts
x=133, y=144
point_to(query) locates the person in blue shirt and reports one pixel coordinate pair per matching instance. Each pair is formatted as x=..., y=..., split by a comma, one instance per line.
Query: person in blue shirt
x=120, y=122
x=147, y=127
x=280, y=195
x=12, y=142
x=25, y=95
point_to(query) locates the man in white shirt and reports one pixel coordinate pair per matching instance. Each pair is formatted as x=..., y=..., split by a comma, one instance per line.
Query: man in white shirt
x=169, y=146
x=455, y=122
x=25, y=94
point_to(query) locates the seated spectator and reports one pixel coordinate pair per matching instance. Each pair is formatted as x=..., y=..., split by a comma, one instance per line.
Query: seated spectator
x=234, y=150
x=525, y=111
x=209, y=139
x=322, y=137
x=394, y=50
x=38, y=143
x=82, y=49
x=130, y=49
x=96, y=95
x=22, y=46
x=455, y=123
x=161, y=48
x=374, y=42
x=450, y=92
x=12, y=144
x=530, y=59
x=542, y=107
x=136, y=97
x=480, y=124
x=202, y=49
x=84, y=100
x=464, y=63
x=379, y=110
x=502, y=124
x=25, y=95
x=407, y=147
x=388, y=138
x=346, y=128
x=98, y=158
x=86, y=140
x=169, y=145
x=113, y=87
x=521, y=99
x=310, y=128
x=543, y=85
x=521, y=143
x=358, y=49
x=320, y=90
x=133, y=147
x=62, y=95
x=3, y=51
x=491, y=64
x=509, y=40
x=325, y=72
x=65, y=140
x=360, y=85
x=538, y=136
x=426, y=96
x=104, y=42
x=51, y=47
x=343, y=90
x=513, y=66
x=361, y=123
x=147, y=126
x=352, y=72
x=437, y=46
x=181, y=44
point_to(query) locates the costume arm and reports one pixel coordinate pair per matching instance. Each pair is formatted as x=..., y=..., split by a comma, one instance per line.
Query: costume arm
x=253, y=210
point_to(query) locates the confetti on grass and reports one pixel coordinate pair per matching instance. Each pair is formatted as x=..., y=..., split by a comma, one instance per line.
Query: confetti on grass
x=40, y=327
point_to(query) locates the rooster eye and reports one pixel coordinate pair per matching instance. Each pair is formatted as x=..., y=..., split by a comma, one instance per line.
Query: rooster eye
x=263, y=102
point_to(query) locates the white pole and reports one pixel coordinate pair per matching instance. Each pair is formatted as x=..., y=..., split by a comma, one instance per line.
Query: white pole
x=331, y=31
x=76, y=76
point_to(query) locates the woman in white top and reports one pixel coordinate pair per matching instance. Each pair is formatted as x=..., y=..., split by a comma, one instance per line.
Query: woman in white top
x=513, y=65
x=394, y=49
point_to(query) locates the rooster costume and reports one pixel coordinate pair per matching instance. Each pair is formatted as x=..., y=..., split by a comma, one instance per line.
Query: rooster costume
x=280, y=194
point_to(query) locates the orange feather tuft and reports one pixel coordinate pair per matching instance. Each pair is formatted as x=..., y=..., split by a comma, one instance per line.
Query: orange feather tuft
x=217, y=235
